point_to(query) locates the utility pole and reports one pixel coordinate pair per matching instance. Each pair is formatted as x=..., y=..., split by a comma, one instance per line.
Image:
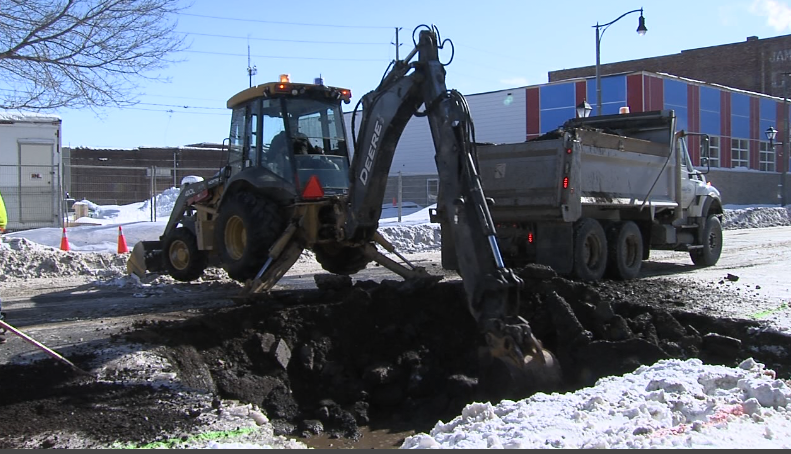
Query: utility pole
x=251, y=70
x=786, y=148
x=396, y=43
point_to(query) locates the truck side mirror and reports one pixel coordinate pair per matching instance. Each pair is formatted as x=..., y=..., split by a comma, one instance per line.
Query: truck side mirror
x=704, y=152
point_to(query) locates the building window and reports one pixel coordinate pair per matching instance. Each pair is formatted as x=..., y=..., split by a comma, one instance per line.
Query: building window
x=432, y=189
x=161, y=172
x=740, y=153
x=766, y=159
x=714, y=151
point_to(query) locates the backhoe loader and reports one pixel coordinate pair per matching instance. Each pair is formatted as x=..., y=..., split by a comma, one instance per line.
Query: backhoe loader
x=290, y=185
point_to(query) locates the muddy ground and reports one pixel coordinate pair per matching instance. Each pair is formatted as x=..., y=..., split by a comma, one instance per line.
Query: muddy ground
x=351, y=358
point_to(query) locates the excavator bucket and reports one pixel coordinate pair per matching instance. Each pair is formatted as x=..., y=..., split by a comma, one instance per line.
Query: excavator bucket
x=145, y=256
x=529, y=366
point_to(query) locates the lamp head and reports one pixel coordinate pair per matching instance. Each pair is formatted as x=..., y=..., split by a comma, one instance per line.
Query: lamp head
x=771, y=133
x=584, y=109
x=641, y=28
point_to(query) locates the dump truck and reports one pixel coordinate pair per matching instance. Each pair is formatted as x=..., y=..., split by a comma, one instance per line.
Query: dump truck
x=592, y=198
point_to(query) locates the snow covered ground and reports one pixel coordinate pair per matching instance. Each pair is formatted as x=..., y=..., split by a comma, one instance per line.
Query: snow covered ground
x=671, y=404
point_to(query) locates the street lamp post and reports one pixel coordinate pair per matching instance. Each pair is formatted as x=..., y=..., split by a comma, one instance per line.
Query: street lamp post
x=600, y=29
x=771, y=135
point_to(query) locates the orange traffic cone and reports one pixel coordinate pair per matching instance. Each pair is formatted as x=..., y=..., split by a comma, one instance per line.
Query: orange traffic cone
x=64, y=242
x=121, y=242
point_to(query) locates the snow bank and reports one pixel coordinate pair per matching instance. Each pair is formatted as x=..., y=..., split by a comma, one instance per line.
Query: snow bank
x=671, y=404
x=756, y=217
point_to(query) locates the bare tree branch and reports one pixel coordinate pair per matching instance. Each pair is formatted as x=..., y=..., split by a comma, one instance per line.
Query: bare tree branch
x=83, y=53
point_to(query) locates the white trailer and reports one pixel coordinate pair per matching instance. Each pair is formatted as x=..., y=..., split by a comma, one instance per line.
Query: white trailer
x=30, y=169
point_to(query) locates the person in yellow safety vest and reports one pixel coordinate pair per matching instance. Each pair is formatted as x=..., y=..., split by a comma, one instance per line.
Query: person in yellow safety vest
x=3, y=215
x=3, y=223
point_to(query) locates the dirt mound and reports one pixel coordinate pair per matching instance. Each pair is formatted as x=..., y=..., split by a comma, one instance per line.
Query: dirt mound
x=333, y=360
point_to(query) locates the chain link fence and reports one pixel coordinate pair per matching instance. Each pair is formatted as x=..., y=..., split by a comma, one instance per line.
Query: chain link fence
x=120, y=185
x=31, y=194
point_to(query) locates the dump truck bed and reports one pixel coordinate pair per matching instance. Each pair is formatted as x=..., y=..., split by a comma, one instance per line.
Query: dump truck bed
x=603, y=170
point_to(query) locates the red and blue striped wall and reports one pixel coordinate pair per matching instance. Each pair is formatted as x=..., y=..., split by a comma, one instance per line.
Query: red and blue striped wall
x=699, y=108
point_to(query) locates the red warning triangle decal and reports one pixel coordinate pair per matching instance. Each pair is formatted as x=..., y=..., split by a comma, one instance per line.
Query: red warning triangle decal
x=313, y=189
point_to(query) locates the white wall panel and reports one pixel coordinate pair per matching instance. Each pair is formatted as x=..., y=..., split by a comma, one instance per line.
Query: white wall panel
x=497, y=117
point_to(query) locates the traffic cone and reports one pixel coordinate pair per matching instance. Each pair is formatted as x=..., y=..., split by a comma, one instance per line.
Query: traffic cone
x=121, y=242
x=64, y=242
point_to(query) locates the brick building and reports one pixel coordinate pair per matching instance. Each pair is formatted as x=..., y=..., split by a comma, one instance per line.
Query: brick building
x=744, y=167
x=755, y=65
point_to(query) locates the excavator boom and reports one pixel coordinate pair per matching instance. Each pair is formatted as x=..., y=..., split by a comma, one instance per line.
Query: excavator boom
x=492, y=289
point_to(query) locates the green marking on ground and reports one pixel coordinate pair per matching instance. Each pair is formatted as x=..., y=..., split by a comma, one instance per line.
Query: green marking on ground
x=767, y=312
x=175, y=442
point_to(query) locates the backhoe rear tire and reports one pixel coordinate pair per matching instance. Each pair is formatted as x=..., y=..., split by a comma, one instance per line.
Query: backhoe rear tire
x=625, y=251
x=247, y=226
x=183, y=261
x=709, y=254
x=343, y=260
x=590, y=250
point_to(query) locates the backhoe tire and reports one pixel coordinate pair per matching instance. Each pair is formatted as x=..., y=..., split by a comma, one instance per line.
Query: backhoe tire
x=590, y=250
x=342, y=260
x=183, y=261
x=247, y=226
x=709, y=254
x=625, y=251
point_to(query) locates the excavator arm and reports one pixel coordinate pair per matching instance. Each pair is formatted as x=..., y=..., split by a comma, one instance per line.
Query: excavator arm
x=492, y=290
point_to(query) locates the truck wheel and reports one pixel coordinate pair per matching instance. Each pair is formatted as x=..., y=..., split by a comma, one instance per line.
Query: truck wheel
x=709, y=254
x=590, y=250
x=343, y=260
x=246, y=228
x=625, y=251
x=183, y=261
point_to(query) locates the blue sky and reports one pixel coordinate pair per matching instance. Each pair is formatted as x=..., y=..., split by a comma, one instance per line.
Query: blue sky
x=498, y=44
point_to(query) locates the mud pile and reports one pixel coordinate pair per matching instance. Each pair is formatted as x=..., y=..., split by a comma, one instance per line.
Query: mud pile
x=333, y=360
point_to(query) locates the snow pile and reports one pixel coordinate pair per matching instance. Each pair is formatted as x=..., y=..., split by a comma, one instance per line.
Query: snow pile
x=21, y=259
x=756, y=217
x=414, y=238
x=671, y=404
x=139, y=211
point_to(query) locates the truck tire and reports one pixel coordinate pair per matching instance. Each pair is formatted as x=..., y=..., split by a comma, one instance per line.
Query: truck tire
x=590, y=250
x=246, y=228
x=709, y=254
x=625, y=251
x=183, y=261
x=343, y=260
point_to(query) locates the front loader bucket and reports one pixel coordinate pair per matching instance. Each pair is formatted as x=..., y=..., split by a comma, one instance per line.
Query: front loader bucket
x=145, y=256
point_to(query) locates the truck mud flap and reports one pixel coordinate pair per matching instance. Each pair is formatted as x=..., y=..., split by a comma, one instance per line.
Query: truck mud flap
x=555, y=246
